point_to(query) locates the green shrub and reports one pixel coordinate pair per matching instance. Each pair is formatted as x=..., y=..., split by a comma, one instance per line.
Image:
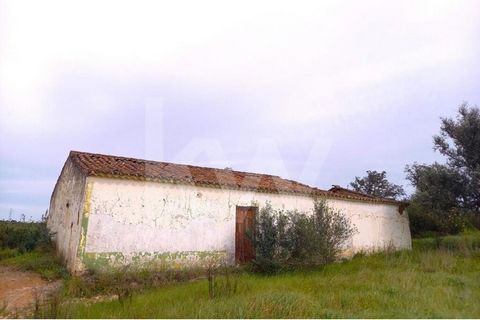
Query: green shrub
x=426, y=222
x=24, y=236
x=293, y=240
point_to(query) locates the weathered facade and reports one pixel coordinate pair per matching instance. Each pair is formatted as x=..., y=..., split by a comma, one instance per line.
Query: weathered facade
x=109, y=211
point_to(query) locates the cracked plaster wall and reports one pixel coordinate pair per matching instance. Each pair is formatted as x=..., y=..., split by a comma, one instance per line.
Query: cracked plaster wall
x=65, y=213
x=128, y=219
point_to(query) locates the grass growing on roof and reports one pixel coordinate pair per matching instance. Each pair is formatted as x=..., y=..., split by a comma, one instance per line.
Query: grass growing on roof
x=439, y=278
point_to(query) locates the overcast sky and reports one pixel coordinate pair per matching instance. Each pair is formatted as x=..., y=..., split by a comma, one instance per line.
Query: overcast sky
x=317, y=91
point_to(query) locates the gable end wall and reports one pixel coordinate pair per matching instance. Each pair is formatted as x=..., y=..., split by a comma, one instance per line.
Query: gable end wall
x=64, y=214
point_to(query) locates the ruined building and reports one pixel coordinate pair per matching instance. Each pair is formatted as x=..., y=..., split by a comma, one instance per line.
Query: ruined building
x=108, y=211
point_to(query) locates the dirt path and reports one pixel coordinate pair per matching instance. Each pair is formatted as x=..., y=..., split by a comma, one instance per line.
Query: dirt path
x=20, y=289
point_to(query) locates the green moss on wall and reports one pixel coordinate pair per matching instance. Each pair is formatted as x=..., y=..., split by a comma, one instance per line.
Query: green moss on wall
x=84, y=222
x=107, y=261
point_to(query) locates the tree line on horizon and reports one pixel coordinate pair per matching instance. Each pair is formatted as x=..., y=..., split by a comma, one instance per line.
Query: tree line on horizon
x=447, y=195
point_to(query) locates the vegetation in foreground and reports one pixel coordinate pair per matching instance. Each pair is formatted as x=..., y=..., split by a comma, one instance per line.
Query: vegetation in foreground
x=28, y=246
x=439, y=278
x=293, y=240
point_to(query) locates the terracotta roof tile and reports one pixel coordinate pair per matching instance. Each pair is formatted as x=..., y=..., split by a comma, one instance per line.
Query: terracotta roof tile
x=340, y=190
x=122, y=167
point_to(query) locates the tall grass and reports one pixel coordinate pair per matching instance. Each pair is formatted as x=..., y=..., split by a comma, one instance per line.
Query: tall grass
x=47, y=263
x=439, y=278
x=28, y=246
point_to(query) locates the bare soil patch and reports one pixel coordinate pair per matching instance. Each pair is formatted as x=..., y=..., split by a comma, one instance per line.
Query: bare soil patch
x=20, y=289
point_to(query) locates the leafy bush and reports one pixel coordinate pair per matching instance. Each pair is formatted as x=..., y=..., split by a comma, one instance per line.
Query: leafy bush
x=292, y=239
x=427, y=222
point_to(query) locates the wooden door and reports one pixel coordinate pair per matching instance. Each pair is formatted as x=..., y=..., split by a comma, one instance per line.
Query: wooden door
x=244, y=250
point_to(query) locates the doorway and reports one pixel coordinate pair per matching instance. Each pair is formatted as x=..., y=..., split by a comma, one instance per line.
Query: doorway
x=244, y=220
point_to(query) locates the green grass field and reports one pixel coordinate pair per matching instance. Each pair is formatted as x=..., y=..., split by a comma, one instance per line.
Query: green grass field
x=440, y=278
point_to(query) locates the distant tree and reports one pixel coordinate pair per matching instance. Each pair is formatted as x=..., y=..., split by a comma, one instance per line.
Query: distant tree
x=459, y=141
x=376, y=184
x=457, y=183
x=438, y=187
x=448, y=192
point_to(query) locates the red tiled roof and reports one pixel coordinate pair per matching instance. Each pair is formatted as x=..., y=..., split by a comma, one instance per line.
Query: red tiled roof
x=340, y=190
x=129, y=168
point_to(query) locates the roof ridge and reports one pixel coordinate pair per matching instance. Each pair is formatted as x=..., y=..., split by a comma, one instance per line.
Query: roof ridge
x=105, y=165
x=75, y=152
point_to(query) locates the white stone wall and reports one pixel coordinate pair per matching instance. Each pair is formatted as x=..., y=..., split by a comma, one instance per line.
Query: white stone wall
x=378, y=225
x=65, y=213
x=131, y=217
